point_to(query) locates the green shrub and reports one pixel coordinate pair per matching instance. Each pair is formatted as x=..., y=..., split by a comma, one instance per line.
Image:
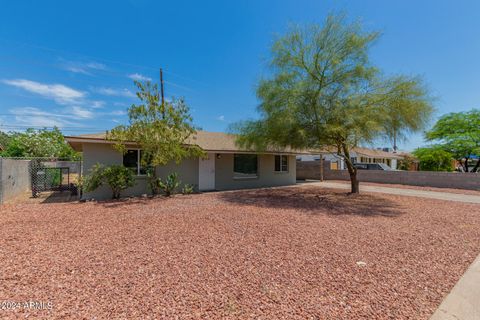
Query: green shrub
x=117, y=177
x=434, y=159
x=187, y=189
x=152, y=181
x=170, y=185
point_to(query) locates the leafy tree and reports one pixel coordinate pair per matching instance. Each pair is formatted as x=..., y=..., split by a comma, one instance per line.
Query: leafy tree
x=407, y=108
x=434, y=159
x=40, y=143
x=117, y=177
x=324, y=92
x=161, y=130
x=4, y=139
x=459, y=134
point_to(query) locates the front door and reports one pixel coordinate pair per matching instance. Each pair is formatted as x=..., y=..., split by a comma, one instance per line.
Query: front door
x=206, y=173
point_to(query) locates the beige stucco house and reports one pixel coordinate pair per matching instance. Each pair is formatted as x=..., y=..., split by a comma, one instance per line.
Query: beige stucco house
x=226, y=166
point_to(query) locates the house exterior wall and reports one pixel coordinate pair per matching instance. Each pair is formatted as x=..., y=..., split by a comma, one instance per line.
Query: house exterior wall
x=105, y=154
x=188, y=171
x=267, y=177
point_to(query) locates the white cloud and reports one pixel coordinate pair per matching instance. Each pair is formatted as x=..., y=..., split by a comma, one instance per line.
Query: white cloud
x=82, y=67
x=139, y=77
x=81, y=112
x=221, y=118
x=118, y=113
x=96, y=65
x=58, y=92
x=114, y=92
x=96, y=104
x=30, y=116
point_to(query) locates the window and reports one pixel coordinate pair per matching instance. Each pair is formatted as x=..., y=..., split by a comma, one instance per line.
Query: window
x=245, y=165
x=281, y=163
x=131, y=160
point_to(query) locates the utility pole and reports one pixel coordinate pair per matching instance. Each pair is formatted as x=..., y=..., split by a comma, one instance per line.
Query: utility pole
x=161, y=86
x=161, y=91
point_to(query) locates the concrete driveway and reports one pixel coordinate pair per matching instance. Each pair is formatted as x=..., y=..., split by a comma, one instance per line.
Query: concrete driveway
x=467, y=198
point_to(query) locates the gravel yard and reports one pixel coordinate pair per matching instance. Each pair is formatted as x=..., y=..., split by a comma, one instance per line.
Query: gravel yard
x=285, y=253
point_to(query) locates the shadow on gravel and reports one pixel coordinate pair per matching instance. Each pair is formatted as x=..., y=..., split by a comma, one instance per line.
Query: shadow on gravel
x=112, y=203
x=315, y=201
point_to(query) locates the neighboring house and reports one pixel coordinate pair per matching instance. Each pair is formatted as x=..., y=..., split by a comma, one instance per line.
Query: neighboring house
x=226, y=167
x=358, y=155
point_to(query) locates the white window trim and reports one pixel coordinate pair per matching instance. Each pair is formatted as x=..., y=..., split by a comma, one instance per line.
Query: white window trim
x=281, y=171
x=138, y=161
x=247, y=177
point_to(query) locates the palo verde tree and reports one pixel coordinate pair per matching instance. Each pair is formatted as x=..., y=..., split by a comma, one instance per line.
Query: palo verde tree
x=160, y=129
x=323, y=92
x=459, y=134
x=406, y=108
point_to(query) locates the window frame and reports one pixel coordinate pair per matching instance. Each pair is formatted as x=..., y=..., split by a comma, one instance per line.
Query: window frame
x=281, y=157
x=245, y=176
x=139, y=163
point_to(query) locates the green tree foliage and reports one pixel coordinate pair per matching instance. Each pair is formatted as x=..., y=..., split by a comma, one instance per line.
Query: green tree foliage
x=39, y=143
x=434, y=159
x=4, y=139
x=324, y=92
x=459, y=134
x=407, y=108
x=117, y=177
x=161, y=130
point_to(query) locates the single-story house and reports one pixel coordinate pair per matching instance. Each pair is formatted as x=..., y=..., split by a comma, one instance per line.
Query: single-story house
x=357, y=155
x=226, y=167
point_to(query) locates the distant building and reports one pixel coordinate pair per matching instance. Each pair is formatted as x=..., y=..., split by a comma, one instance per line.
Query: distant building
x=357, y=155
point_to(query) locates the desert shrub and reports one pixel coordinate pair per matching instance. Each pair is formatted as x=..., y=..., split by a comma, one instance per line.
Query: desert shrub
x=187, y=189
x=407, y=163
x=117, y=177
x=170, y=185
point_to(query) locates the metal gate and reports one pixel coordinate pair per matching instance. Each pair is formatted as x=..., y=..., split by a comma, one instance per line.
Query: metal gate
x=54, y=175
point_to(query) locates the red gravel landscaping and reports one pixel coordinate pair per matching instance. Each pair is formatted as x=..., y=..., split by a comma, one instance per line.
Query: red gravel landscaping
x=286, y=253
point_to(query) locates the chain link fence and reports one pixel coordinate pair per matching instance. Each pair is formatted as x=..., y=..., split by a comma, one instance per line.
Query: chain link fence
x=19, y=176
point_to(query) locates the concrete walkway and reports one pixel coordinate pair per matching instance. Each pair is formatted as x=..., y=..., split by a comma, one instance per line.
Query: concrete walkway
x=403, y=192
x=463, y=302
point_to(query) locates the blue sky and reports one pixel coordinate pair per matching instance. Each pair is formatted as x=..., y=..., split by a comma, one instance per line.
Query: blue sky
x=71, y=64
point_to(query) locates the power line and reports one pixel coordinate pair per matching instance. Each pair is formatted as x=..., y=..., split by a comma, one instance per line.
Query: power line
x=105, y=72
x=100, y=59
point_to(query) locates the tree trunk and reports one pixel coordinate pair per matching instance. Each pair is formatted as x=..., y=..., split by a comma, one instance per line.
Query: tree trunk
x=477, y=165
x=395, y=142
x=321, y=167
x=352, y=171
x=465, y=166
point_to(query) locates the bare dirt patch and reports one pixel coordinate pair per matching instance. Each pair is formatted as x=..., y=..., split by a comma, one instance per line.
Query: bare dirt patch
x=279, y=253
